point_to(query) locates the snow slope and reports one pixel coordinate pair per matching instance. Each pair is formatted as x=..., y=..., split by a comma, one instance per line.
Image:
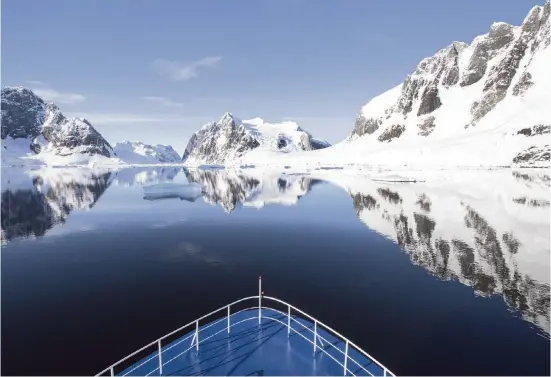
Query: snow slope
x=139, y=153
x=230, y=138
x=478, y=104
x=483, y=104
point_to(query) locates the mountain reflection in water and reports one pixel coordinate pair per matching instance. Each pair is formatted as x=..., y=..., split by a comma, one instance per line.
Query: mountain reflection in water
x=488, y=230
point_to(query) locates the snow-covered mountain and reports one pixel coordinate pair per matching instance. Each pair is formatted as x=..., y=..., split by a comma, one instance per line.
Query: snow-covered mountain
x=135, y=152
x=229, y=139
x=36, y=132
x=484, y=103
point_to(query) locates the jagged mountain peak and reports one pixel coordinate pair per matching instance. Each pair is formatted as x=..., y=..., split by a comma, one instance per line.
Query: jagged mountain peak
x=229, y=139
x=495, y=87
x=228, y=117
x=31, y=126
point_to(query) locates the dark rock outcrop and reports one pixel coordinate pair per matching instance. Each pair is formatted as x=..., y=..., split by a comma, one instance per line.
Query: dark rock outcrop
x=365, y=126
x=523, y=84
x=427, y=126
x=392, y=132
x=538, y=129
x=533, y=155
x=430, y=101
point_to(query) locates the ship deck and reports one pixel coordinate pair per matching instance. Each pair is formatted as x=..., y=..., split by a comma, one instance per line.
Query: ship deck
x=251, y=348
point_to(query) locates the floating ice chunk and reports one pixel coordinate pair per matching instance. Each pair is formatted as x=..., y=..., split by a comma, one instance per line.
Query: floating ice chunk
x=189, y=192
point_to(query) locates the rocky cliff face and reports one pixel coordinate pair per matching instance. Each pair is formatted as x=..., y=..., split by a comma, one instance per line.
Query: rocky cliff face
x=498, y=84
x=230, y=138
x=39, y=127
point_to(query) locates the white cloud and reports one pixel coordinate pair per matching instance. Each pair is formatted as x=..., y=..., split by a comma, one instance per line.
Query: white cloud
x=36, y=82
x=163, y=101
x=59, y=97
x=183, y=71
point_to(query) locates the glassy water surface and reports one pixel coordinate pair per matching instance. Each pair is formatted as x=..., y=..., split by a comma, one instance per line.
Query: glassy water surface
x=447, y=276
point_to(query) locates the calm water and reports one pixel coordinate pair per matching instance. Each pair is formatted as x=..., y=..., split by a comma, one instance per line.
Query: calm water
x=445, y=277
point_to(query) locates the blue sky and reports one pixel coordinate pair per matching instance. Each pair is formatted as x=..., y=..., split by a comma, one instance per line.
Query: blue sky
x=156, y=70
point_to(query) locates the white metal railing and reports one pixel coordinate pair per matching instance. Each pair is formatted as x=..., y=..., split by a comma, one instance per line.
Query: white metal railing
x=195, y=340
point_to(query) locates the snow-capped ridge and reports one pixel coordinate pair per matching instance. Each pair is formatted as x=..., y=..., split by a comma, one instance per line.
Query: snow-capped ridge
x=226, y=141
x=137, y=152
x=466, y=98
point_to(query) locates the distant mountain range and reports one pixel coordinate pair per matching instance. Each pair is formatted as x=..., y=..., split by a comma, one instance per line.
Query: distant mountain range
x=139, y=153
x=486, y=104
x=37, y=133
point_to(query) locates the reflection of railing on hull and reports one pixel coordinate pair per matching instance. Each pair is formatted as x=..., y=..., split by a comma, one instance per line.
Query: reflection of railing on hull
x=196, y=341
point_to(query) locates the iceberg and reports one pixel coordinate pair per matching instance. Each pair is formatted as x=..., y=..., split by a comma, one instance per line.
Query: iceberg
x=190, y=192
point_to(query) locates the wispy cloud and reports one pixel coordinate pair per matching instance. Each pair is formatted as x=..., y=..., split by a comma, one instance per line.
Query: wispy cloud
x=183, y=71
x=59, y=97
x=36, y=82
x=163, y=101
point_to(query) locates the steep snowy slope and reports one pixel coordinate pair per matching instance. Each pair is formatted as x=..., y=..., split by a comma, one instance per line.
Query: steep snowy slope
x=230, y=138
x=139, y=153
x=486, y=104
x=483, y=103
x=36, y=132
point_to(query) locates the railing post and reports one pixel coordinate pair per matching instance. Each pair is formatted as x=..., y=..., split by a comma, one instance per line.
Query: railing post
x=288, y=320
x=315, y=336
x=228, y=319
x=112, y=371
x=259, y=299
x=197, y=335
x=160, y=359
x=345, y=357
x=384, y=371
